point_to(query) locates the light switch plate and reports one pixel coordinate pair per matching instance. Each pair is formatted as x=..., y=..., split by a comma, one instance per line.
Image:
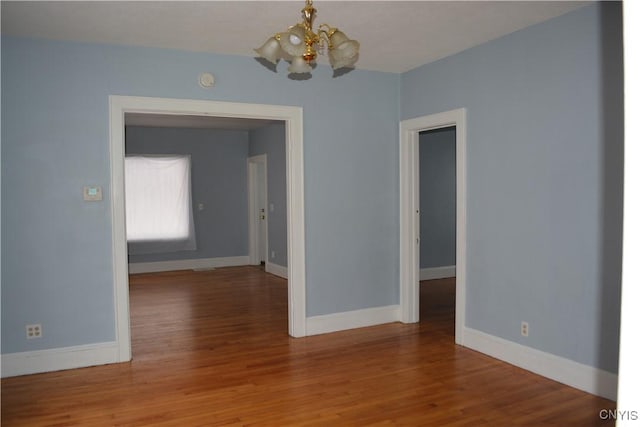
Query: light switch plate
x=92, y=193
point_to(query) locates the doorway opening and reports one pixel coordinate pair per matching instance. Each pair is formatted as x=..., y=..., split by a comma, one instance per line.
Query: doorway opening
x=410, y=214
x=291, y=116
x=438, y=227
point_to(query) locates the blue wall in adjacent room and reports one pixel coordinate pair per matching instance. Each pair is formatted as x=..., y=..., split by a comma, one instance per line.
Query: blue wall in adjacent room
x=271, y=140
x=544, y=179
x=438, y=198
x=218, y=181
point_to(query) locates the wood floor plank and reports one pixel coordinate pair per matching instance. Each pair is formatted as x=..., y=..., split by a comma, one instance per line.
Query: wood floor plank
x=210, y=348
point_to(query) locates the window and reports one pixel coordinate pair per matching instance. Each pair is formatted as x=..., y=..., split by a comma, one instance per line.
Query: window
x=158, y=204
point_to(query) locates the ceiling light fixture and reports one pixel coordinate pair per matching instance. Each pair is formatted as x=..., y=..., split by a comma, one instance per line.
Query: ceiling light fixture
x=300, y=45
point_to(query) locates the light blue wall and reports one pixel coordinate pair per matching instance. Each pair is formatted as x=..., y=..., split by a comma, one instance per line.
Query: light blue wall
x=438, y=198
x=56, y=249
x=218, y=180
x=544, y=151
x=544, y=178
x=271, y=140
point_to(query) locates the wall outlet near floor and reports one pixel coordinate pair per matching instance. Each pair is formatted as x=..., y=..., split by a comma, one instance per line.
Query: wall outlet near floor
x=273, y=254
x=524, y=329
x=34, y=331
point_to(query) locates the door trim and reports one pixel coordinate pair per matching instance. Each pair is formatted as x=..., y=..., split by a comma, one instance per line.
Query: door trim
x=292, y=116
x=410, y=216
x=254, y=222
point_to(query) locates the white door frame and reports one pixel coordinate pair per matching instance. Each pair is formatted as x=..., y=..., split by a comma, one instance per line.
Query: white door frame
x=292, y=116
x=254, y=221
x=410, y=214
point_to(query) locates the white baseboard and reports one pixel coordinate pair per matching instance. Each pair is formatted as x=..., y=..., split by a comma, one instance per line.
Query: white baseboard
x=437, y=272
x=276, y=270
x=566, y=371
x=187, y=264
x=352, y=319
x=57, y=359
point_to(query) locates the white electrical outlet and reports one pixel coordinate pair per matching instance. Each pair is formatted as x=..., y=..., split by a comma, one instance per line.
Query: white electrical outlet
x=273, y=254
x=34, y=331
x=524, y=329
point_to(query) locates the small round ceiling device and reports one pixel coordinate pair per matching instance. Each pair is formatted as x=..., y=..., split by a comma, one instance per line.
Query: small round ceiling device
x=206, y=80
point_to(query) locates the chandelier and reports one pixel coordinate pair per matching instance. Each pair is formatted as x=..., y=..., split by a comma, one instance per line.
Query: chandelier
x=300, y=45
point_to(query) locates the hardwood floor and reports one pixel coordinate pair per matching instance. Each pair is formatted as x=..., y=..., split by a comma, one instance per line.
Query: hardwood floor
x=211, y=349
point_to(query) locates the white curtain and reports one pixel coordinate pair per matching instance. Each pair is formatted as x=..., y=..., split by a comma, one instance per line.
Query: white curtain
x=158, y=204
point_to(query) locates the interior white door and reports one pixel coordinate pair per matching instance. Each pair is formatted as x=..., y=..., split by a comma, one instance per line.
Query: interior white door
x=261, y=184
x=258, y=216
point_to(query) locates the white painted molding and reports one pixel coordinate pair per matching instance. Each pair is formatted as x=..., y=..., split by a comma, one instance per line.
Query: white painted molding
x=119, y=251
x=410, y=213
x=187, y=264
x=629, y=368
x=57, y=359
x=586, y=378
x=291, y=115
x=352, y=319
x=276, y=270
x=296, y=249
x=438, y=272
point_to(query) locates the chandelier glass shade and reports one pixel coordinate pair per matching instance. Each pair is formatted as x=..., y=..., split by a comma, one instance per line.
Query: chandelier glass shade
x=300, y=45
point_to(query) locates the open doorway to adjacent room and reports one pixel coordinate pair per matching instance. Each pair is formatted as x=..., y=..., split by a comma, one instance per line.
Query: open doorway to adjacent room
x=190, y=114
x=207, y=178
x=421, y=261
x=437, y=164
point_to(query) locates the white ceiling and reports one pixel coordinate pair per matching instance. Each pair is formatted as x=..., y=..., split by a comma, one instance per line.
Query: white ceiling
x=395, y=36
